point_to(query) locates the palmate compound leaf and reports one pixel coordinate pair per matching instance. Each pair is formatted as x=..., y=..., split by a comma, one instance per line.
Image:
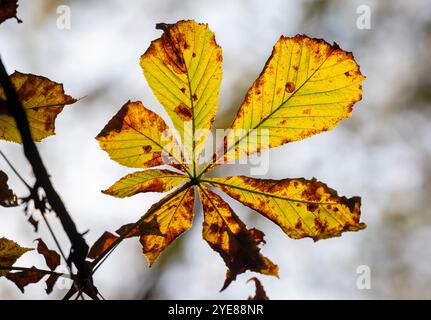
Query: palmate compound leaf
x=139, y=138
x=7, y=197
x=307, y=86
x=42, y=100
x=10, y=251
x=302, y=208
x=228, y=235
x=8, y=10
x=184, y=69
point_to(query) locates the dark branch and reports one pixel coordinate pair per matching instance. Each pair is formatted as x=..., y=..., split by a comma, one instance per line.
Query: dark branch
x=79, y=247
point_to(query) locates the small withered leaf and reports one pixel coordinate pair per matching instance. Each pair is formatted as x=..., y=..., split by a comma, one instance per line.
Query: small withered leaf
x=260, y=291
x=24, y=278
x=8, y=9
x=101, y=244
x=52, y=258
x=33, y=222
x=7, y=197
x=50, y=282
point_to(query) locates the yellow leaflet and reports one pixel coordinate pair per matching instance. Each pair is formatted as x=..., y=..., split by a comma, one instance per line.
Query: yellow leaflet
x=306, y=87
x=229, y=236
x=302, y=208
x=145, y=181
x=42, y=100
x=184, y=69
x=137, y=137
x=164, y=225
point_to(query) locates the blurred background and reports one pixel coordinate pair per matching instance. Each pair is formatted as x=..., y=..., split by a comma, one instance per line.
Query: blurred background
x=382, y=153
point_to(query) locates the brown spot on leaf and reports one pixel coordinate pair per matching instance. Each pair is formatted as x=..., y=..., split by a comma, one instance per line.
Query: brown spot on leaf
x=183, y=90
x=311, y=191
x=312, y=207
x=321, y=226
x=172, y=43
x=219, y=57
x=184, y=111
x=290, y=87
x=147, y=148
x=156, y=185
x=195, y=97
x=307, y=111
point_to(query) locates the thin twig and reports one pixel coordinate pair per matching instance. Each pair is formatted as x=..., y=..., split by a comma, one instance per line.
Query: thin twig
x=43, y=214
x=15, y=171
x=38, y=270
x=54, y=236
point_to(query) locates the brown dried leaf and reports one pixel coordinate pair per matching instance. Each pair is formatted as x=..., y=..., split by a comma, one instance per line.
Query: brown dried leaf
x=24, y=278
x=101, y=244
x=33, y=222
x=50, y=282
x=8, y=10
x=7, y=197
x=260, y=291
x=52, y=258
